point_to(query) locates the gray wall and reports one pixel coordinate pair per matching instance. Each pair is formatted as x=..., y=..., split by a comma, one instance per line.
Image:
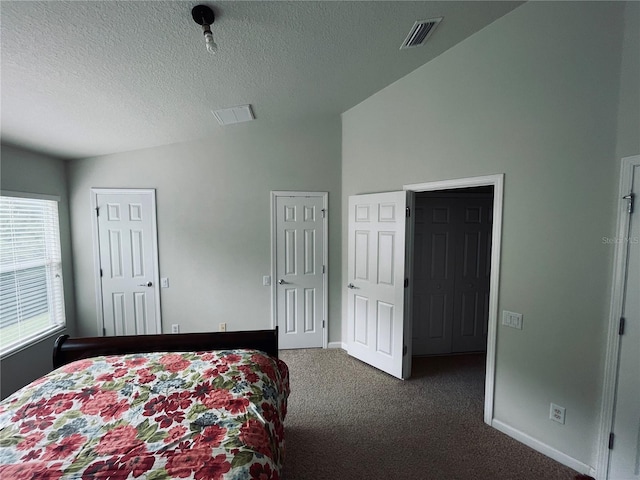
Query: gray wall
x=629, y=110
x=25, y=171
x=535, y=95
x=213, y=210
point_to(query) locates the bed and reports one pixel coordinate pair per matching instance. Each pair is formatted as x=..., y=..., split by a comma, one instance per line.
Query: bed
x=193, y=406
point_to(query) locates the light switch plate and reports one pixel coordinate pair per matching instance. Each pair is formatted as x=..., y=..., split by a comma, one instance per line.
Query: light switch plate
x=266, y=280
x=512, y=319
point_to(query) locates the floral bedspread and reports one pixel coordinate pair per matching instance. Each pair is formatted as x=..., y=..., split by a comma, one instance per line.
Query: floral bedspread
x=204, y=415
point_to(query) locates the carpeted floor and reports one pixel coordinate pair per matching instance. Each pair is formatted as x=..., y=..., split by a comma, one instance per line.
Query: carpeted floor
x=349, y=421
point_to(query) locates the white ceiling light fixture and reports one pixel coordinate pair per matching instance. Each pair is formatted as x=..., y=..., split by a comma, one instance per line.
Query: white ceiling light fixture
x=229, y=116
x=204, y=16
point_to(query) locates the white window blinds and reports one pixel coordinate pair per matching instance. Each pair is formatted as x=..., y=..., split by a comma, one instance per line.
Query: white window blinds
x=31, y=291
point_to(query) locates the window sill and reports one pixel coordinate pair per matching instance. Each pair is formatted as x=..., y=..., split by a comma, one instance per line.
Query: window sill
x=47, y=334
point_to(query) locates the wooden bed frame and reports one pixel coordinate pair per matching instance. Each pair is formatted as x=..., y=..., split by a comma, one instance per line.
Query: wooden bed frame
x=67, y=349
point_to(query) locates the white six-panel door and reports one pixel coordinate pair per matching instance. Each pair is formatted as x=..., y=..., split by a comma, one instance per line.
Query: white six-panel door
x=127, y=262
x=451, y=272
x=433, y=277
x=300, y=270
x=376, y=278
x=624, y=463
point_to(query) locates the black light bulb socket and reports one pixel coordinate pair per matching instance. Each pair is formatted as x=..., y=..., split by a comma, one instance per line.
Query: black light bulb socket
x=203, y=15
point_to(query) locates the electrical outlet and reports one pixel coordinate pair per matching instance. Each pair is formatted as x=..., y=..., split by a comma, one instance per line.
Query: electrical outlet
x=175, y=328
x=223, y=327
x=556, y=413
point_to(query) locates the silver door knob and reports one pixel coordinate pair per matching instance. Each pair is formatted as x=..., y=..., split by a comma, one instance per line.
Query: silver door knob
x=148, y=284
x=351, y=285
x=281, y=281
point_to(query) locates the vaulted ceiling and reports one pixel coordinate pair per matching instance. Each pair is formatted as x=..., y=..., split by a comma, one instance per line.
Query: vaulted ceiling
x=85, y=78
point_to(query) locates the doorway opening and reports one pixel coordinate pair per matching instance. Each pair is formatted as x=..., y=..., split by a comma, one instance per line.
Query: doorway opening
x=457, y=289
x=451, y=271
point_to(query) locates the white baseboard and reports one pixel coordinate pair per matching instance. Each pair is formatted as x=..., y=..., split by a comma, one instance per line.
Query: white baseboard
x=341, y=345
x=543, y=448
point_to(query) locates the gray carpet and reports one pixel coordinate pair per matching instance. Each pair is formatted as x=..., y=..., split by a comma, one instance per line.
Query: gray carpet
x=347, y=420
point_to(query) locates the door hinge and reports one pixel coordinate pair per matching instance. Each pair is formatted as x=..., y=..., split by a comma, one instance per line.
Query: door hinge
x=100, y=273
x=631, y=198
x=406, y=282
x=324, y=212
x=621, y=327
x=404, y=350
x=611, y=441
x=322, y=323
x=97, y=211
x=323, y=269
x=408, y=212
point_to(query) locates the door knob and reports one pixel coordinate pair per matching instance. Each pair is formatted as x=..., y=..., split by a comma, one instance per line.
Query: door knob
x=281, y=281
x=148, y=284
x=351, y=285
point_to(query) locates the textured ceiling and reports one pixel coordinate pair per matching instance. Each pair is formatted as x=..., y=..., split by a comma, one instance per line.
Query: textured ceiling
x=85, y=78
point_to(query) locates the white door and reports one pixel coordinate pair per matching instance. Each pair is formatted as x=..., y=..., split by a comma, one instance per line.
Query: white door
x=127, y=255
x=378, y=312
x=300, y=270
x=624, y=463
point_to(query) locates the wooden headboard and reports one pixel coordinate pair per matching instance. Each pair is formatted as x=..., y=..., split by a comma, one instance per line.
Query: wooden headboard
x=67, y=349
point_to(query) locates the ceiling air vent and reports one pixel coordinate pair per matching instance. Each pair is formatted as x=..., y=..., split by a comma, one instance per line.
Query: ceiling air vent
x=229, y=116
x=420, y=32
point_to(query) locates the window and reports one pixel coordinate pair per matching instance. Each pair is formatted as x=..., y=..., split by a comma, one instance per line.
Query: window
x=31, y=292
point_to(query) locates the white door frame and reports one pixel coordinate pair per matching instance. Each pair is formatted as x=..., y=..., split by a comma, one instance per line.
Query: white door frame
x=497, y=181
x=96, y=249
x=617, y=298
x=325, y=256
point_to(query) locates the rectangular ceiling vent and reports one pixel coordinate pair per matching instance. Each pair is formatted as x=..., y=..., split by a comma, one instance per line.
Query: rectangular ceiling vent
x=420, y=33
x=229, y=116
